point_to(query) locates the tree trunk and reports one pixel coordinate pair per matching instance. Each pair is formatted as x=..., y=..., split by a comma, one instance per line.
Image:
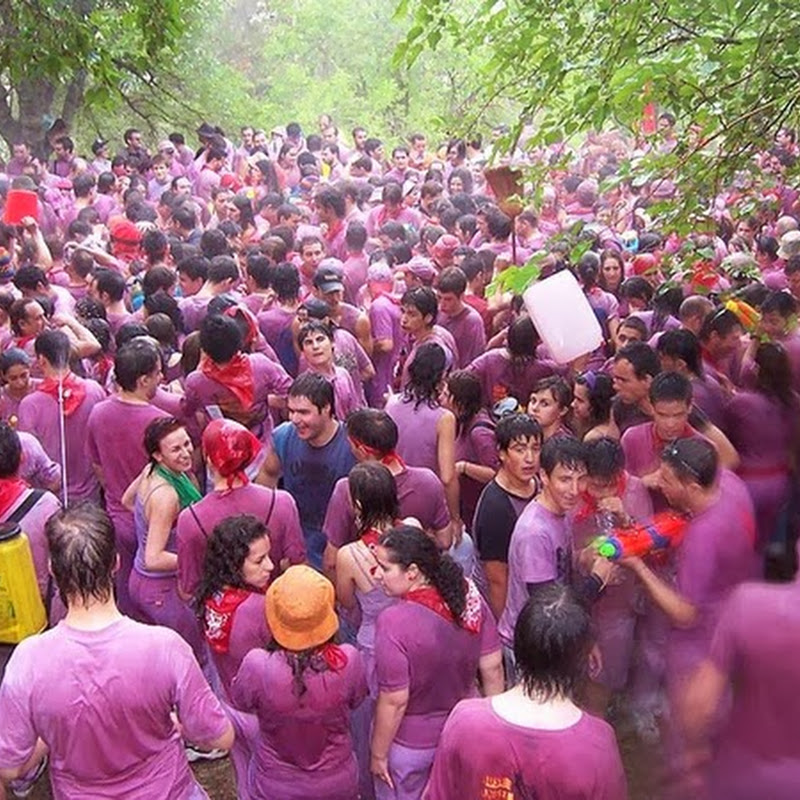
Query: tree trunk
x=35, y=98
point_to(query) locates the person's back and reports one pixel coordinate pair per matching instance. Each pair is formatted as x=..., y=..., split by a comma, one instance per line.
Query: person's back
x=486, y=753
x=102, y=746
x=417, y=425
x=759, y=748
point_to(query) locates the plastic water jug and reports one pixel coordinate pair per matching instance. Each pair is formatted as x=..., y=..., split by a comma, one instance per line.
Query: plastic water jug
x=563, y=317
x=21, y=609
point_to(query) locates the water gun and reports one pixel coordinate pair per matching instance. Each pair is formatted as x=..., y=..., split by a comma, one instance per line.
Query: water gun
x=665, y=530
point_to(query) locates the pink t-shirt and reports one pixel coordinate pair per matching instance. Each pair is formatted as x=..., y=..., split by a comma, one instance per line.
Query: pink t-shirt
x=481, y=755
x=100, y=747
x=282, y=520
x=501, y=377
x=414, y=648
x=468, y=330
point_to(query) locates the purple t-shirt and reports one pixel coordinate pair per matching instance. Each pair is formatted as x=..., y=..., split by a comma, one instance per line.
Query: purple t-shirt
x=540, y=551
x=384, y=317
x=355, y=275
x=193, y=310
x=36, y=467
x=481, y=755
x=269, y=378
x=304, y=747
x=468, y=330
x=345, y=394
x=500, y=377
x=285, y=533
x=716, y=555
x=414, y=647
x=128, y=747
x=759, y=749
x=39, y=415
x=416, y=427
x=761, y=447
x=420, y=494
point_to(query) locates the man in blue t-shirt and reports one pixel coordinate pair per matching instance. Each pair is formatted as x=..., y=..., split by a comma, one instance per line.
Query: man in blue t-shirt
x=310, y=453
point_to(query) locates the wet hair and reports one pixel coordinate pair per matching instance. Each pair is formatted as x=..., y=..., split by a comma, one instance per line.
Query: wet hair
x=158, y=279
x=162, y=329
x=670, y=387
x=10, y=450
x=83, y=553
x=692, y=460
x=605, y=457
x=54, y=346
x=220, y=338
x=682, y=344
x=308, y=329
x=316, y=389
x=552, y=639
x=564, y=451
x=30, y=278
x=373, y=487
x=425, y=373
x=286, y=281
x=157, y=431
x=260, y=268
x=516, y=426
x=588, y=270
x=101, y=331
x=134, y=360
x=781, y=302
x=162, y=303
x=641, y=357
x=128, y=331
x=522, y=340
x=601, y=394
x=13, y=357
x=373, y=428
x=222, y=268
x=558, y=387
x=467, y=396
x=423, y=299
x=722, y=322
x=226, y=551
x=636, y=287
x=407, y=545
x=356, y=236
x=194, y=267
x=190, y=353
x=111, y=283
x=453, y=279
x=774, y=377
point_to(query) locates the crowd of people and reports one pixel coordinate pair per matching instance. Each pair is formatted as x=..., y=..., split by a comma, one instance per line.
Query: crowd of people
x=300, y=491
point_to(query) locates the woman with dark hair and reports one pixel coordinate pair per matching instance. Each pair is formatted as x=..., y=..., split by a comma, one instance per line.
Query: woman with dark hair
x=427, y=429
x=604, y=304
x=592, y=393
x=441, y=627
x=459, y=182
x=762, y=425
x=549, y=405
x=156, y=497
x=302, y=689
x=612, y=271
x=230, y=597
x=15, y=370
x=244, y=217
x=534, y=738
x=286, y=168
x=663, y=316
x=476, y=454
x=510, y=371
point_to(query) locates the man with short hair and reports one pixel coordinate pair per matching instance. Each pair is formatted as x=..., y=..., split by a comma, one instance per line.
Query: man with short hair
x=418, y=308
x=210, y=176
x=462, y=321
x=393, y=208
x=373, y=437
x=330, y=206
x=109, y=288
x=401, y=170
x=387, y=334
x=62, y=394
x=634, y=368
x=519, y=442
x=49, y=698
x=222, y=277
x=355, y=262
x=137, y=372
x=64, y=157
x=541, y=544
x=21, y=159
x=311, y=250
x=311, y=452
x=33, y=282
x=720, y=340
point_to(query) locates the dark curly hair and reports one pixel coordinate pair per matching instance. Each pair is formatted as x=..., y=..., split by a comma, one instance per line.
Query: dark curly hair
x=409, y=545
x=226, y=551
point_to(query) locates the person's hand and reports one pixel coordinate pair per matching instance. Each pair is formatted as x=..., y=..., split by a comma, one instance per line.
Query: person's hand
x=379, y=767
x=461, y=467
x=29, y=225
x=651, y=479
x=612, y=504
x=60, y=320
x=633, y=563
x=603, y=569
x=458, y=531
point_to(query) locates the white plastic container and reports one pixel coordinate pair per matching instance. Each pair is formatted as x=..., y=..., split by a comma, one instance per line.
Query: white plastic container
x=563, y=317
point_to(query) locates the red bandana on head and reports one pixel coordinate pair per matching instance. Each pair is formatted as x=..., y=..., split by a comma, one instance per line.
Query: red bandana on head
x=73, y=391
x=236, y=376
x=429, y=597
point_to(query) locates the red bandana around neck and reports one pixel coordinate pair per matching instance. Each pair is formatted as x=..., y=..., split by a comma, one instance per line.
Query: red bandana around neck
x=219, y=611
x=73, y=391
x=236, y=376
x=430, y=597
x=10, y=491
x=589, y=504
